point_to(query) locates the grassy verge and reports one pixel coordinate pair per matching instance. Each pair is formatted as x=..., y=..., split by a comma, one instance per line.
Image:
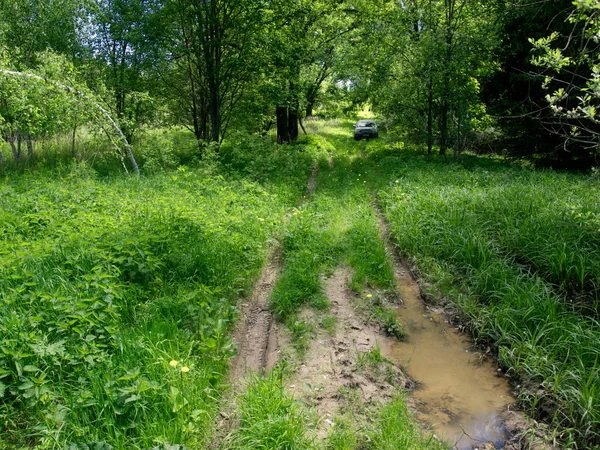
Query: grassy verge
x=513, y=248
x=117, y=295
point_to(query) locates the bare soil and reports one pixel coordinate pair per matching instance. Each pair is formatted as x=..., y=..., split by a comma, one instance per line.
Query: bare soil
x=256, y=325
x=330, y=373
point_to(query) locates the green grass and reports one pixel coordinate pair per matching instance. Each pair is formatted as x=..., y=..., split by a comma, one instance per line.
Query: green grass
x=390, y=426
x=503, y=243
x=117, y=294
x=336, y=225
x=270, y=418
x=395, y=429
x=105, y=281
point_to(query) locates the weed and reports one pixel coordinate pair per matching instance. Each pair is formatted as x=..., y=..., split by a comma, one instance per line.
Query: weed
x=395, y=429
x=270, y=418
x=372, y=358
x=343, y=435
x=329, y=323
x=303, y=332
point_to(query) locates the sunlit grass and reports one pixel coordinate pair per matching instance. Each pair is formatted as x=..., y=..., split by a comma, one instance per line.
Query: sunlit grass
x=337, y=225
x=520, y=249
x=104, y=282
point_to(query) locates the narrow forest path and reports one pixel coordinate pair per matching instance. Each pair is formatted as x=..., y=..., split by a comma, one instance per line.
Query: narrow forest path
x=338, y=313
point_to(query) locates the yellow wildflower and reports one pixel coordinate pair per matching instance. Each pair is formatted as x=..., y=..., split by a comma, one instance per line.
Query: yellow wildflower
x=185, y=369
x=261, y=219
x=369, y=295
x=173, y=363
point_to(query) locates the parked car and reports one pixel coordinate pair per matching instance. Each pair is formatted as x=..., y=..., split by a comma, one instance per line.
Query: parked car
x=365, y=129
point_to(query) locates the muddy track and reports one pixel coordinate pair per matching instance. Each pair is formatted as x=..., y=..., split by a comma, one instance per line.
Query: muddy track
x=331, y=377
x=436, y=404
x=256, y=328
x=257, y=335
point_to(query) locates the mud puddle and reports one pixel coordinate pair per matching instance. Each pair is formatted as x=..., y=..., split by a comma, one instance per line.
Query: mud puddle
x=459, y=390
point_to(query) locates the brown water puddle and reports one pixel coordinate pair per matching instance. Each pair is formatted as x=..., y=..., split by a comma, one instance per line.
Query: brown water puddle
x=459, y=391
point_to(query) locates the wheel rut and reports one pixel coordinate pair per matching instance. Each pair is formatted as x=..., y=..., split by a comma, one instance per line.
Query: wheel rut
x=257, y=335
x=254, y=335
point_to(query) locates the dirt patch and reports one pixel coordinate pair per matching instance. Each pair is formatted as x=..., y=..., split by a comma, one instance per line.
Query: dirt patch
x=332, y=369
x=256, y=325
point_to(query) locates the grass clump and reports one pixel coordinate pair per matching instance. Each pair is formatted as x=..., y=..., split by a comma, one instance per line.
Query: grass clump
x=390, y=427
x=270, y=418
x=395, y=429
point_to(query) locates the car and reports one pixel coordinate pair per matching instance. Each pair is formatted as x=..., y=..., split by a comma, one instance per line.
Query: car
x=365, y=129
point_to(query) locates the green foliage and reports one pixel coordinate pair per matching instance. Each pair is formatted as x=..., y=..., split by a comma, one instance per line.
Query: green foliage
x=571, y=71
x=520, y=247
x=117, y=296
x=420, y=65
x=270, y=418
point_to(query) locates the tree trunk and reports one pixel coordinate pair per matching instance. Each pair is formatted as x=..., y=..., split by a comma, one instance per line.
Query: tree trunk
x=450, y=9
x=301, y=125
x=293, y=124
x=283, y=134
x=19, y=141
x=215, y=110
x=309, y=109
x=73, y=154
x=29, y=143
x=430, y=117
x=10, y=138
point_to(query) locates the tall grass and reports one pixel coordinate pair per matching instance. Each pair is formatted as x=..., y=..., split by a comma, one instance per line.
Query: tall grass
x=270, y=418
x=519, y=246
x=117, y=296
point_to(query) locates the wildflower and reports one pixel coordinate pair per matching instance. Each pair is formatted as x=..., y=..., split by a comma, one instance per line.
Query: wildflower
x=261, y=219
x=397, y=181
x=185, y=369
x=369, y=295
x=173, y=363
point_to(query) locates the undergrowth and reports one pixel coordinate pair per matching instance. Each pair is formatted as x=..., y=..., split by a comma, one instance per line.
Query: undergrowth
x=117, y=295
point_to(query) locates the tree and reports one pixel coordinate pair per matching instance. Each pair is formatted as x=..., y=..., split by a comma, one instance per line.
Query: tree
x=571, y=71
x=214, y=53
x=420, y=64
x=38, y=103
x=123, y=37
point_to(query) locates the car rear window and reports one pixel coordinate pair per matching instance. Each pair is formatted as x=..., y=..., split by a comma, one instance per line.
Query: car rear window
x=365, y=123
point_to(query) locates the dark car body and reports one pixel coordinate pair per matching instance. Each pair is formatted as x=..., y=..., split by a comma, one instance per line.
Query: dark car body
x=365, y=129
